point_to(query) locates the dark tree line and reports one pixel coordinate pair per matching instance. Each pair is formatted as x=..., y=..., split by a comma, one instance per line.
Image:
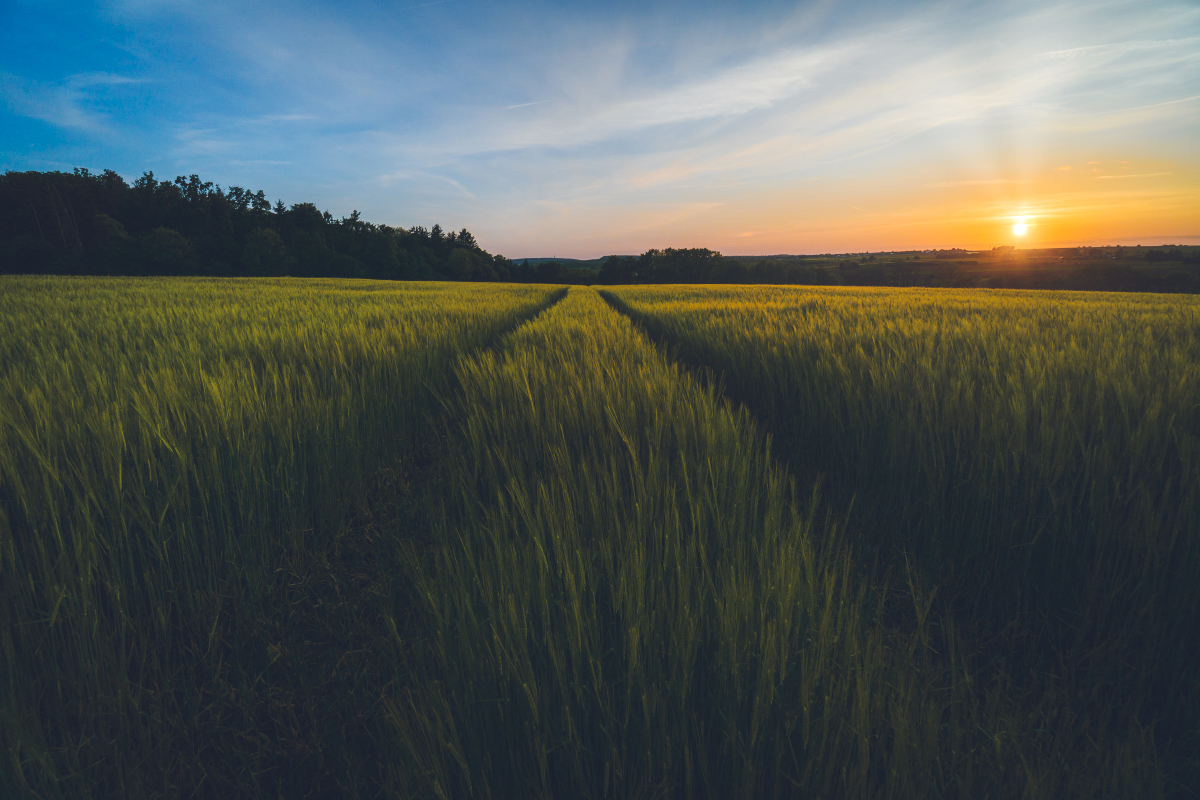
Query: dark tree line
x=1167, y=269
x=83, y=223
x=699, y=265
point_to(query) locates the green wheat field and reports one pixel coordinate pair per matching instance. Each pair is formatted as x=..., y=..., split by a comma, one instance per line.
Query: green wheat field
x=341, y=538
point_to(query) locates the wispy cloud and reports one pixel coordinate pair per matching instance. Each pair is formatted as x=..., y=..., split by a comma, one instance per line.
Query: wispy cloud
x=193, y=142
x=1124, y=47
x=526, y=105
x=425, y=179
x=987, y=182
x=810, y=104
x=64, y=104
x=739, y=90
x=287, y=117
x=1119, y=177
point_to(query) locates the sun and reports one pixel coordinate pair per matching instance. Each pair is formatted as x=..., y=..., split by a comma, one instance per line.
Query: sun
x=1019, y=229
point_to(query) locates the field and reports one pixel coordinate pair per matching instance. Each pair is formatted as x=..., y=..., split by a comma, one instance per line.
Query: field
x=166, y=448
x=1034, y=455
x=368, y=539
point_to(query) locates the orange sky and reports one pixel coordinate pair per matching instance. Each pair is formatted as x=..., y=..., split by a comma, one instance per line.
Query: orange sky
x=1085, y=201
x=1113, y=201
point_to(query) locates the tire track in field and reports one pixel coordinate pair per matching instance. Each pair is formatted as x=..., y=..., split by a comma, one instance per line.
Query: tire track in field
x=808, y=477
x=548, y=454
x=708, y=376
x=1029, y=695
x=338, y=649
x=606, y=520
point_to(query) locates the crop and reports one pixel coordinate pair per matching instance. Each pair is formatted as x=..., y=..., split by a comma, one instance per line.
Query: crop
x=1036, y=456
x=346, y=538
x=164, y=447
x=625, y=596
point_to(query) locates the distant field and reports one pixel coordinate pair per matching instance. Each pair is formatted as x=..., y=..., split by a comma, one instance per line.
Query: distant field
x=350, y=538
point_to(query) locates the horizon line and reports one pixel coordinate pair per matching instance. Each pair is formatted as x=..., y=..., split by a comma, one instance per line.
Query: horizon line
x=1063, y=245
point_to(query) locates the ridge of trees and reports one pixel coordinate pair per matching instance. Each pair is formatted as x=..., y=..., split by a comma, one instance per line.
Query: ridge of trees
x=1162, y=269
x=84, y=223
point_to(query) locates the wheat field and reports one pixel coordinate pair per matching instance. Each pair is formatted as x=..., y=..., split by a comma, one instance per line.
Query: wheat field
x=162, y=442
x=370, y=539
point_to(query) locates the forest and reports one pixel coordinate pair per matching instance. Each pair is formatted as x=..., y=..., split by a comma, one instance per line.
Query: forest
x=84, y=223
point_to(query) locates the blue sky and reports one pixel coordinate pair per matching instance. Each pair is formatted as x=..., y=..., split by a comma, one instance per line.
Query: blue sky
x=581, y=129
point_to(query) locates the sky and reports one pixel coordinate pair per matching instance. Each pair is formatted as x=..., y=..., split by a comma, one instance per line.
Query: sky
x=581, y=129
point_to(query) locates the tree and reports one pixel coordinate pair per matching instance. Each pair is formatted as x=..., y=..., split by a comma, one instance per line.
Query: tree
x=306, y=217
x=117, y=250
x=617, y=270
x=265, y=254
x=166, y=252
x=549, y=272
x=460, y=266
x=84, y=222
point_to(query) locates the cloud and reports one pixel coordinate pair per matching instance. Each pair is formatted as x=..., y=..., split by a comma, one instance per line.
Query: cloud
x=1131, y=115
x=286, y=117
x=739, y=90
x=799, y=107
x=989, y=182
x=1117, y=177
x=526, y=105
x=1120, y=48
x=660, y=216
x=587, y=115
x=1064, y=167
x=426, y=181
x=63, y=104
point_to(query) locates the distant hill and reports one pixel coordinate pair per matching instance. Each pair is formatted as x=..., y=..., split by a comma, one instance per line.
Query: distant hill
x=597, y=263
x=569, y=263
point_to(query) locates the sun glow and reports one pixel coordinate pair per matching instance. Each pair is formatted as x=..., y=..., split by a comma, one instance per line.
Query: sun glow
x=1019, y=229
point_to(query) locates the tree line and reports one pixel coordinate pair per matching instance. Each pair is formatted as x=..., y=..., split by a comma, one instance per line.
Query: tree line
x=700, y=265
x=84, y=223
x=1163, y=269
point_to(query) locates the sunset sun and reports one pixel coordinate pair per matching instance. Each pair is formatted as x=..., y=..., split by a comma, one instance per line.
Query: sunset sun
x=1019, y=229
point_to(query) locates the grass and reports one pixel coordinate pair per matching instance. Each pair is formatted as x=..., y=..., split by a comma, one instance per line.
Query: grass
x=329, y=538
x=166, y=448
x=1036, y=454
x=625, y=596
